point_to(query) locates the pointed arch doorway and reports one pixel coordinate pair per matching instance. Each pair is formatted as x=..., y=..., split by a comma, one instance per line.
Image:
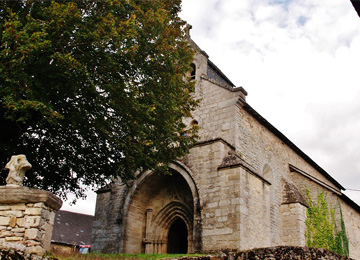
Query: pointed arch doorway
x=162, y=214
x=177, y=241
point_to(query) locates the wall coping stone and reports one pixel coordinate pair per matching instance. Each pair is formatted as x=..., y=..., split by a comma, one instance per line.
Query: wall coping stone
x=20, y=194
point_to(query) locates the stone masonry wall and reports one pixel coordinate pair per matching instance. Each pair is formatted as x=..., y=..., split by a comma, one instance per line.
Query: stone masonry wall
x=293, y=224
x=26, y=219
x=350, y=215
x=272, y=253
x=107, y=227
x=254, y=211
x=258, y=147
x=29, y=225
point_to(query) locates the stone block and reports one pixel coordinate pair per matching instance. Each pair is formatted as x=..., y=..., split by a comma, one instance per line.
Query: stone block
x=20, y=206
x=12, y=222
x=32, y=243
x=20, y=194
x=32, y=221
x=15, y=213
x=33, y=211
x=51, y=217
x=224, y=203
x=47, y=214
x=20, y=222
x=4, y=207
x=212, y=205
x=5, y=233
x=33, y=233
x=38, y=250
x=4, y=221
x=13, y=239
x=39, y=205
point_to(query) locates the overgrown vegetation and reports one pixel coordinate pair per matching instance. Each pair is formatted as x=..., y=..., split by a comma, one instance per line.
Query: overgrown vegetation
x=321, y=228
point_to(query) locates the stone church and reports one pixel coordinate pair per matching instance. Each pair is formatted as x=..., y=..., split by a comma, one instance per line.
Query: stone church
x=242, y=186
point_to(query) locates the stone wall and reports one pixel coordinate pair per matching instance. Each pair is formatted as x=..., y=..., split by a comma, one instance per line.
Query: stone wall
x=17, y=255
x=26, y=219
x=272, y=253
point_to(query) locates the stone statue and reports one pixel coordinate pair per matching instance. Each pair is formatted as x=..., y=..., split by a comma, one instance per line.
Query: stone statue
x=17, y=167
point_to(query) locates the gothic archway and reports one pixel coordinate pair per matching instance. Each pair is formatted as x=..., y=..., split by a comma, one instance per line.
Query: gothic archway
x=177, y=239
x=160, y=209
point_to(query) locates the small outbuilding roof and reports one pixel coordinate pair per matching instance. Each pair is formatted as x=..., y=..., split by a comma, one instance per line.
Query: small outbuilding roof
x=72, y=228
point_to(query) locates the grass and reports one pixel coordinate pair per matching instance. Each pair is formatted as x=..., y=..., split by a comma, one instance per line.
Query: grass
x=93, y=256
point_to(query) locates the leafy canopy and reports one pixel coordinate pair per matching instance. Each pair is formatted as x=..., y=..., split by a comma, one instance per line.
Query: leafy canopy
x=93, y=90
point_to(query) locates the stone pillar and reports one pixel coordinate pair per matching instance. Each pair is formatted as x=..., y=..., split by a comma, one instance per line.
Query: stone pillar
x=27, y=219
x=293, y=215
x=147, y=240
x=293, y=224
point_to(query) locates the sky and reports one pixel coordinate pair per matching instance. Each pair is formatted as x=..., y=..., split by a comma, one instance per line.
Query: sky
x=299, y=61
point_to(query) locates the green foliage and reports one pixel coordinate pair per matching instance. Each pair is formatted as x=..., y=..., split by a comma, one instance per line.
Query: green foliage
x=93, y=90
x=341, y=240
x=321, y=230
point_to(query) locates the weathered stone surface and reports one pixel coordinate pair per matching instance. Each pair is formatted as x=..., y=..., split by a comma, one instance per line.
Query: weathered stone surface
x=33, y=234
x=18, y=255
x=13, y=239
x=33, y=211
x=271, y=253
x=13, y=221
x=4, y=221
x=33, y=221
x=27, y=195
x=17, y=167
x=26, y=224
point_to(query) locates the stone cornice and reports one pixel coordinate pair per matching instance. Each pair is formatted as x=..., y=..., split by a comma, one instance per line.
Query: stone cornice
x=20, y=194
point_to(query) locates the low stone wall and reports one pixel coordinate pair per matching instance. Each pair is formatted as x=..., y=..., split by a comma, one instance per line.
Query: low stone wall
x=15, y=255
x=289, y=252
x=273, y=253
x=26, y=219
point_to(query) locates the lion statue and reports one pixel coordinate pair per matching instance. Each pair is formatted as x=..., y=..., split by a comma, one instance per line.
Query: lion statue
x=17, y=167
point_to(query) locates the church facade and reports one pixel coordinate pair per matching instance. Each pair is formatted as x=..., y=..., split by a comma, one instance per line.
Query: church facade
x=242, y=186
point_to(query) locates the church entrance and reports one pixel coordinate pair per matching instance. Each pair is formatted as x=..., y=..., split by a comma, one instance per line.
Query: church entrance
x=177, y=238
x=161, y=215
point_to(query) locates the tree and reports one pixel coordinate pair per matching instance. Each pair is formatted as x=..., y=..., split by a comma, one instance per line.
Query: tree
x=93, y=90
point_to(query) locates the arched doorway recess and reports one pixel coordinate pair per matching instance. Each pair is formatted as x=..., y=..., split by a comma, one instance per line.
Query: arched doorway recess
x=160, y=209
x=177, y=242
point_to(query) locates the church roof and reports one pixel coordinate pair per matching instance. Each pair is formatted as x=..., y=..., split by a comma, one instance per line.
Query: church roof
x=72, y=228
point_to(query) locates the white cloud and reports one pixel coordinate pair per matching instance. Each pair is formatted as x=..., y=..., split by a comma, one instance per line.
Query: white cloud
x=299, y=61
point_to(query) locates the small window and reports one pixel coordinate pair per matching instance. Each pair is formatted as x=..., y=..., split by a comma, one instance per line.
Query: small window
x=193, y=71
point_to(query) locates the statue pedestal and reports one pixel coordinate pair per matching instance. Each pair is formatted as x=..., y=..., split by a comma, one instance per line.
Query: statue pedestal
x=27, y=219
